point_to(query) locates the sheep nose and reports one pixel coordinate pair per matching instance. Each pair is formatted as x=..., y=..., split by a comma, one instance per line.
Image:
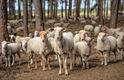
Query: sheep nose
x=43, y=40
x=58, y=38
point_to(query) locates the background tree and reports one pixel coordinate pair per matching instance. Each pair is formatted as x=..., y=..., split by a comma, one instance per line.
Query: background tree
x=70, y=8
x=114, y=13
x=38, y=16
x=12, y=9
x=100, y=11
x=25, y=17
x=3, y=21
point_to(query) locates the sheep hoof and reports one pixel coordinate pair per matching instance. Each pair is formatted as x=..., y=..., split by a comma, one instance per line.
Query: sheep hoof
x=66, y=74
x=44, y=69
x=50, y=68
x=60, y=73
x=35, y=67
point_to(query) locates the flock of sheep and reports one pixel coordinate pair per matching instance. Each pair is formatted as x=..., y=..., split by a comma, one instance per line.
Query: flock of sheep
x=65, y=46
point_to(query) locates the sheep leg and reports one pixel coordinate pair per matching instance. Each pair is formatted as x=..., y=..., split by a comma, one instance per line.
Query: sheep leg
x=121, y=54
x=60, y=64
x=102, y=58
x=13, y=59
x=29, y=58
x=65, y=64
x=35, y=56
x=9, y=63
x=115, y=56
x=109, y=57
x=70, y=60
x=31, y=61
x=19, y=58
x=87, y=63
x=6, y=61
x=105, y=59
x=48, y=59
x=43, y=62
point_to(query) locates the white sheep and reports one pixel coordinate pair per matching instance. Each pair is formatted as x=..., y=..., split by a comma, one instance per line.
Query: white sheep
x=82, y=49
x=62, y=44
x=120, y=44
x=35, y=46
x=10, y=50
x=88, y=28
x=36, y=33
x=113, y=31
x=97, y=29
x=19, y=39
x=105, y=45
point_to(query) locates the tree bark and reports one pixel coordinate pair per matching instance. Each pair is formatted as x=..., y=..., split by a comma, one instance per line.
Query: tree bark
x=114, y=13
x=30, y=9
x=70, y=8
x=66, y=9
x=12, y=9
x=88, y=8
x=3, y=21
x=62, y=9
x=100, y=11
x=25, y=17
x=38, y=15
x=48, y=11
x=19, y=10
x=78, y=8
x=85, y=2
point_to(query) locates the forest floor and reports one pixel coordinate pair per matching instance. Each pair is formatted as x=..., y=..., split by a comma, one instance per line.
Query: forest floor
x=114, y=71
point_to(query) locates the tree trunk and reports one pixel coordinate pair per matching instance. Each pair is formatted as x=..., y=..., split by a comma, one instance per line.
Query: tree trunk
x=48, y=14
x=77, y=8
x=85, y=2
x=62, y=9
x=107, y=9
x=30, y=9
x=38, y=15
x=51, y=2
x=114, y=13
x=44, y=13
x=66, y=9
x=25, y=17
x=70, y=8
x=12, y=9
x=100, y=11
x=56, y=7
x=88, y=8
x=3, y=21
x=19, y=10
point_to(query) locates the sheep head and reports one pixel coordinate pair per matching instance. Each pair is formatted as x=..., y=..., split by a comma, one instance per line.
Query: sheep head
x=102, y=36
x=58, y=33
x=43, y=35
x=83, y=34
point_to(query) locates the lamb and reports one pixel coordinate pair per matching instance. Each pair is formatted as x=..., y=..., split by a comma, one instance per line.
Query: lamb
x=88, y=28
x=105, y=45
x=11, y=30
x=12, y=38
x=36, y=46
x=82, y=49
x=10, y=50
x=97, y=29
x=36, y=33
x=19, y=39
x=82, y=35
x=120, y=44
x=113, y=31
